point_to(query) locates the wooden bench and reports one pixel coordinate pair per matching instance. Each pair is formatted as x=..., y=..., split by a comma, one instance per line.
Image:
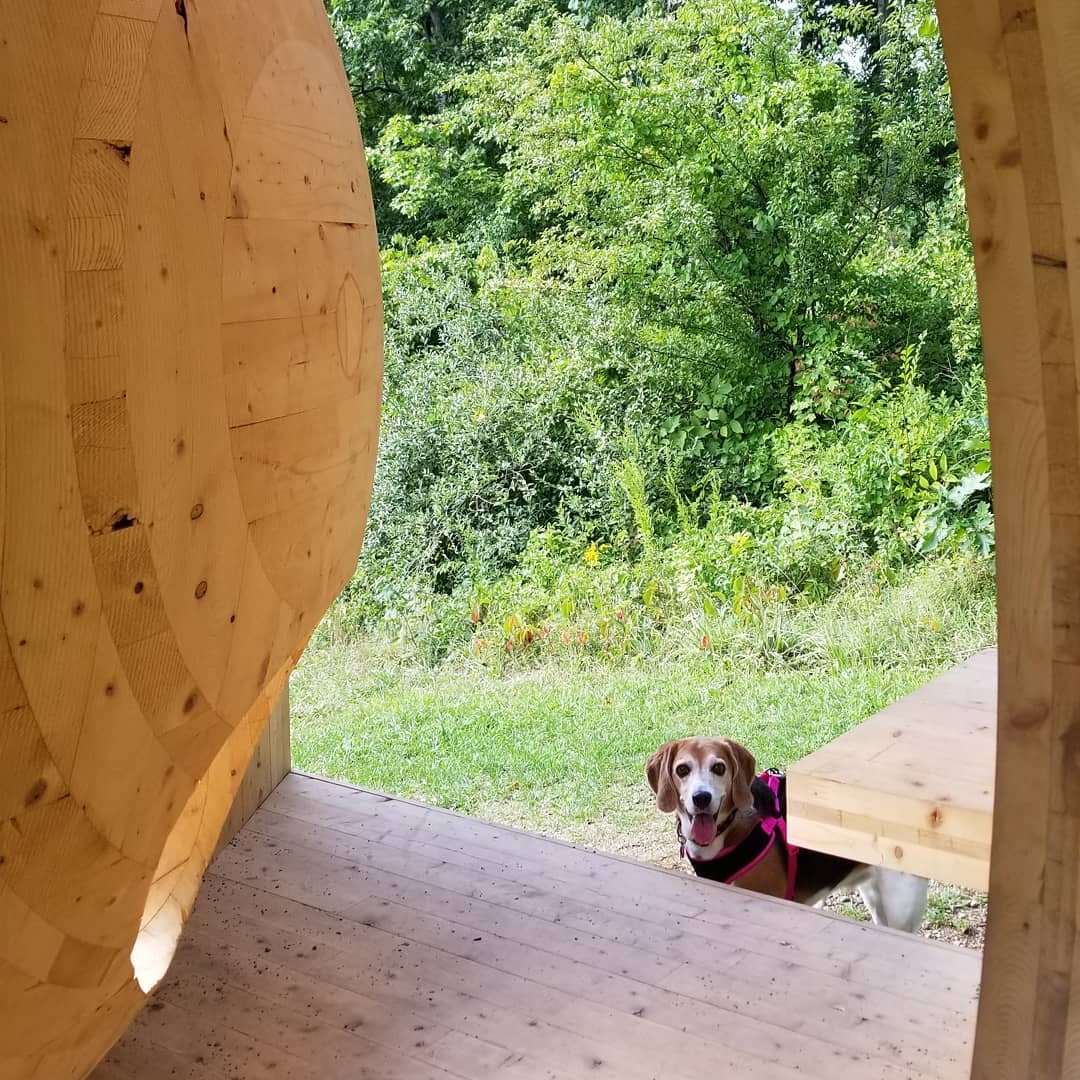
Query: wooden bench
x=913, y=786
x=343, y=934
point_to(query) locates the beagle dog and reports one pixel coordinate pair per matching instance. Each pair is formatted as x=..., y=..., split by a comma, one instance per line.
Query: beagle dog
x=732, y=828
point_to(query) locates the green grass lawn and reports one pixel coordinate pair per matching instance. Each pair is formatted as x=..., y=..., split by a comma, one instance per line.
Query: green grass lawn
x=560, y=748
x=560, y=742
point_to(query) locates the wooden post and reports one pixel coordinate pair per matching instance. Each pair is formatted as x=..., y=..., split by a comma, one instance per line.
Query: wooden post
x=1016, y=88
x=270, y=764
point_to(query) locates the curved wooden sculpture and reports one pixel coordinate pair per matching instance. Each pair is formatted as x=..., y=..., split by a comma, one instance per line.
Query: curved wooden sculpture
x=190, y=366
x=189, y=387
x=1016, y=87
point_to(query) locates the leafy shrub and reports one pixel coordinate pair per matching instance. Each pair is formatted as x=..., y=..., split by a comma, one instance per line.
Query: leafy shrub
x=906, y=478
x=890, y=475
x=681, y=322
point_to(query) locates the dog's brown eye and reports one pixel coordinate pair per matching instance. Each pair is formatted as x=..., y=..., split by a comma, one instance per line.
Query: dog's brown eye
x=682, y=770
x=719, y=768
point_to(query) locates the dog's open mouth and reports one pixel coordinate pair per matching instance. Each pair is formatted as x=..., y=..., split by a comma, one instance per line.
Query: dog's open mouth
x=703, y=829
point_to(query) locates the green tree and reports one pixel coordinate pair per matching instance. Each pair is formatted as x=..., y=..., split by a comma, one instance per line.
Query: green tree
x=679, y=223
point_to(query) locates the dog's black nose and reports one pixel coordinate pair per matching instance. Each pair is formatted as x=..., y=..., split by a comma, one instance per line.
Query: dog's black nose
x=702, y=799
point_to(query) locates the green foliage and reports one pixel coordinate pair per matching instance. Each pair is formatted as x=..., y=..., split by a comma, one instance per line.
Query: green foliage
x=681, y=319
x=906, y=476
x=565, y=742
x=684, y=423
x=893, y=472
x=486, y=434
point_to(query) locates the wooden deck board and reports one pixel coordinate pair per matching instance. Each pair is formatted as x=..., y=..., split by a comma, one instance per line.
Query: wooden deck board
x=913, y=786
x=344, y=934
x=611, y=918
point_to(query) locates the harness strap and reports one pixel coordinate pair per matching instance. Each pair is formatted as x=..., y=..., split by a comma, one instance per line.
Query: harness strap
x=731, y=863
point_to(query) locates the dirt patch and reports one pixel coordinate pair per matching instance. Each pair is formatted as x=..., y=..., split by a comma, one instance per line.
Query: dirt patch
x=955, y=915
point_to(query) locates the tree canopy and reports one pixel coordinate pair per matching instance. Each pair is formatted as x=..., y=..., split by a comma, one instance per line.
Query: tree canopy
x=719, y=243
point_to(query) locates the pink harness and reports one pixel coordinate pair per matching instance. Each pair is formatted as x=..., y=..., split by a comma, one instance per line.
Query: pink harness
x=732, y=862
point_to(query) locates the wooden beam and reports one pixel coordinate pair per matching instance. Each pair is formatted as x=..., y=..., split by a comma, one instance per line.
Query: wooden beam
x=1016, y=90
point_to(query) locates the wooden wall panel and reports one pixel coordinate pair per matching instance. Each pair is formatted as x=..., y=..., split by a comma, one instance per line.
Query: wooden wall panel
x=183, y=195
x=270, y=763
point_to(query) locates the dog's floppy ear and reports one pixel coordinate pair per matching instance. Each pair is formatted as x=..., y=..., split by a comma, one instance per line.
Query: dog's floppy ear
x=658, y=773
x=743, y=771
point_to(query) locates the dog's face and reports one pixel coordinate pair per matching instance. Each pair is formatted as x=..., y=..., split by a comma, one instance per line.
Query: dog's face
x=702, y=780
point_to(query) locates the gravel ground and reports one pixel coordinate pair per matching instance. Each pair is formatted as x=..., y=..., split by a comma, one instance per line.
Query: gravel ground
x=954, y=915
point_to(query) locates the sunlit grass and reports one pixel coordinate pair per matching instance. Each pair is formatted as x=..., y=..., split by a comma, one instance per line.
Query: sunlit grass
x=560, y=746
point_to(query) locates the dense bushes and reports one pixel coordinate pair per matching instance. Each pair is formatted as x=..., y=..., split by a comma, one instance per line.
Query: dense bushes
x=681, y=320
x=903, y=476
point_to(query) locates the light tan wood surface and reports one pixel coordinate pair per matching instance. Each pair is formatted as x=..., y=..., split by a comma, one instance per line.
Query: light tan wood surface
x=1015, y=79
x=190, y=364
x=345, y=934
x=912, y=787
x=270, y=763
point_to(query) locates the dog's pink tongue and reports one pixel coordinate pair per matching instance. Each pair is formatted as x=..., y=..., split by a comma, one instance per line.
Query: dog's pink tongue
x=703, y=829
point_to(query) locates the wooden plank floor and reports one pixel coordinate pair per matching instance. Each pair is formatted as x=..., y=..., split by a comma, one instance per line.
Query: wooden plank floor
x=344, y=934
x=912, y=787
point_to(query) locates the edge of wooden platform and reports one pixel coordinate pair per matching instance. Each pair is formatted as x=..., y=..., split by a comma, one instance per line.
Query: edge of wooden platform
x=678, y=875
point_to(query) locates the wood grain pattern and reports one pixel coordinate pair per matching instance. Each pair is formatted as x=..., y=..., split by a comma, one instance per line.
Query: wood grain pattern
x=145, y=248
x=1015, y=86
x=270, y=764
x=343, y=933
x=913, y=786
x=147, y=620
x=115, y=63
